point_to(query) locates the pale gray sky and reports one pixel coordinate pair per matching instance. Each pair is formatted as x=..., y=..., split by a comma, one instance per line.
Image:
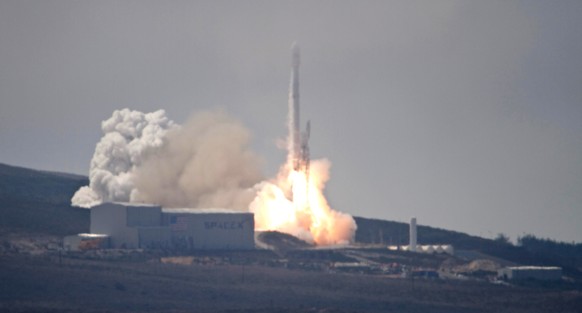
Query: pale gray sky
x=465, y=114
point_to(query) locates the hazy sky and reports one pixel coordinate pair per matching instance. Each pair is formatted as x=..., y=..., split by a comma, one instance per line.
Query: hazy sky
x=465, y=114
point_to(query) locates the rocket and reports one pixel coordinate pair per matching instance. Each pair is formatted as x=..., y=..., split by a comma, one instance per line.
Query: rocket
x=294, y=133
x=298, y=142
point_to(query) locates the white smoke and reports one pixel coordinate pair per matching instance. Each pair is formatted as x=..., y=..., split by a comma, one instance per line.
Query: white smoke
x=127, y=135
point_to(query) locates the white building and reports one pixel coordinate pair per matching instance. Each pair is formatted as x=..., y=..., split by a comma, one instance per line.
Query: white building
x=149, y=226
x=530, y=272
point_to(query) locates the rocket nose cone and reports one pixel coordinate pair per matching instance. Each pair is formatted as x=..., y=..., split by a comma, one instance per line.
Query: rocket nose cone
x=295, y=47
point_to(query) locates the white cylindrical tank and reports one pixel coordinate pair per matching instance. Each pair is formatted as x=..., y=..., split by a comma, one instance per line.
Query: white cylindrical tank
x=412, y=244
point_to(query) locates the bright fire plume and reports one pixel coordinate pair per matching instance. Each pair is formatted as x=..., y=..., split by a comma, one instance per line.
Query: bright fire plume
x=308, y=215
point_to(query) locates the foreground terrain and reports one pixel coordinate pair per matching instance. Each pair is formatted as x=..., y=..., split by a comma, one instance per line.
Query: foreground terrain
x=142, y=283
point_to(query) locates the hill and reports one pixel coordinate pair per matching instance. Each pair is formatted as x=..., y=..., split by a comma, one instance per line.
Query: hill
x=39, y=202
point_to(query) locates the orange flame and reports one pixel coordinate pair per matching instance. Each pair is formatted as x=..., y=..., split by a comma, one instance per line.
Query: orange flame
x=308, y=215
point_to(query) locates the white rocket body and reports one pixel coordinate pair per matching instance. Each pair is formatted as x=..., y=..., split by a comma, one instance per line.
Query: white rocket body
x=294, y=122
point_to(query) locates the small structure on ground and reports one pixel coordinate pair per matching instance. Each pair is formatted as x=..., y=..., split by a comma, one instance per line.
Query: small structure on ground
x=530, y=272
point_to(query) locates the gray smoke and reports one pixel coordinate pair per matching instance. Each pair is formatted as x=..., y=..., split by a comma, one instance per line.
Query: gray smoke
x=205, y=163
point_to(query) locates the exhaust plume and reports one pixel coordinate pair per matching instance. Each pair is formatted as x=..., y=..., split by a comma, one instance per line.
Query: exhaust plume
x=307, y=216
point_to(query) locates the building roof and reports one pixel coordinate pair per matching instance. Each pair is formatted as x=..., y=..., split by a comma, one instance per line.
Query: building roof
x=93, y=235
x=539, y=268
x=136, y=204
x=201, y=211
x=127, y=204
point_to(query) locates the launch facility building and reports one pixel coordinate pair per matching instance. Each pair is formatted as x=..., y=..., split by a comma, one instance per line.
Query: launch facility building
x=130, y=226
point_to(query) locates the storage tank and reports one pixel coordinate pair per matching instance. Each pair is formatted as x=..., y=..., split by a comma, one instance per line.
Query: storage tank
x=412, y=243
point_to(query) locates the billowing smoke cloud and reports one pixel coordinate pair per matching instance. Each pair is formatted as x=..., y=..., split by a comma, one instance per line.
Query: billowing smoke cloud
x=204, y=164
x=127, y=135
x=148, y=158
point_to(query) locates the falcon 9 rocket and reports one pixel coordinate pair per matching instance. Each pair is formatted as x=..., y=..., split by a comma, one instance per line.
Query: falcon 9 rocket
x=297, y=141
